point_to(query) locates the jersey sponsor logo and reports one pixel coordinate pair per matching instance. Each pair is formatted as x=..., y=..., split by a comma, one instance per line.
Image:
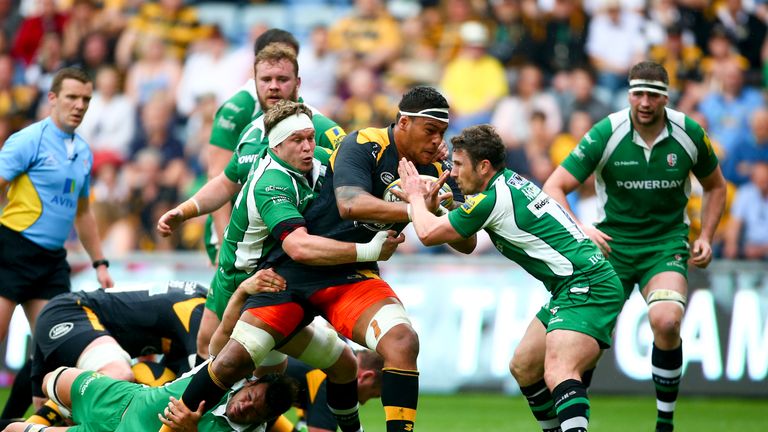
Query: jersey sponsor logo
x=232, y=107
x=531, y=191
x=247, y=159
x=578, y=152
x=649, y=184
x=588, y=138
x=470, y=202
x=579, y=290
x=387, y=178
x=272, y=188
x=374, y=226
x=280, y=199
x=671, y=159
x=708, y=143
x=335, y=135
x=516, y=181
x=49, y=160
x=69, y=186
x=63, y=201
x=87, y=382
x=539, y=206
x=626, y=163
x=226, y=124
x=60, y=330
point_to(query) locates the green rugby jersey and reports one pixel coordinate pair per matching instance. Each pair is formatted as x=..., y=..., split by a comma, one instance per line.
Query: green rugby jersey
x=274, y=193
x=234, y=115
x=530, y=228
x=642, y=192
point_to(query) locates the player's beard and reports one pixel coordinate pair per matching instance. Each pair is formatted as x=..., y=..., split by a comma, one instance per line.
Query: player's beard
x=293, y=97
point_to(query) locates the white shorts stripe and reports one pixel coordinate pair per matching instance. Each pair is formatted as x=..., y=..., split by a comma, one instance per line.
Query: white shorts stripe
x=667, y=373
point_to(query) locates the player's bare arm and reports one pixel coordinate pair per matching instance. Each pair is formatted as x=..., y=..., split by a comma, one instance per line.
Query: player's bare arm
x=87, y=231
x=713, y=204
x=356, y=203
x=210, y=197
x=559, y=184
x=180, y=418
x=316, y=250
x=218, y=158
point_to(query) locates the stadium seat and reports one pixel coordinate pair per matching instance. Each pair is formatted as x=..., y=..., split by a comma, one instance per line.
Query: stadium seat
x=273, y=15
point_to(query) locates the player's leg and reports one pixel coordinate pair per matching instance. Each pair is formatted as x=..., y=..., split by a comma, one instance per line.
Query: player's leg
x=527, y=366
x=370, y=313
x=208, y=324
x=320, y=346
x=106, y=356
x=569, y=354
x=665, y=294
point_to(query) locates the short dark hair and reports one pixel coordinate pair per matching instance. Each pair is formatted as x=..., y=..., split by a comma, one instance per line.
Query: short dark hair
x=68, y=73
x=281, y=393
x=281, y=111
x=275, y=35
x=420, y=98
x=372, y=361
x=648, y=70
x=275, y=53
x=481, y=143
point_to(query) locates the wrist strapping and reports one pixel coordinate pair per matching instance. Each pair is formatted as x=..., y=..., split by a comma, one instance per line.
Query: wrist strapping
x=190, y=208
x=441, y=211
x=409, y=209
x=370, y=251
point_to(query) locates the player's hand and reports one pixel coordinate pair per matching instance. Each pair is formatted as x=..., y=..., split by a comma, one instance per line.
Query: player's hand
x=442, y=152
x=169, y=222
x=600, y=238
x=433, y=197
x=701, y=253
x=180, y=418
x=410, y=181
x=266, y=280
x=104, y=278
x=390, y=244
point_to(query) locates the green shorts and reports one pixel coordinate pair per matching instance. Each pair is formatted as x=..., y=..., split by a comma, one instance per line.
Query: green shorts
x=211, y=246
x=223, y=285
x=99, y=401
x=592, y=313
x=637, y=264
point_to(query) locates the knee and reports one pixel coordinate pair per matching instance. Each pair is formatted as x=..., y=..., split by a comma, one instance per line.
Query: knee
x=666, y=325
x=525, y=370
x=122, y=372
x=233, y=363
x=344, y=369
x=400, y=345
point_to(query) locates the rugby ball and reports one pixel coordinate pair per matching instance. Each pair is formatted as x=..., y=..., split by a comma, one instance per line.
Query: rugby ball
x=395, y=185
x=152, y=374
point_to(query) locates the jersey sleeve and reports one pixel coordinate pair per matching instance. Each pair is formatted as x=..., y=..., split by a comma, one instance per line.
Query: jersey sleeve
x=583, y=159
x=231, y=170
x=328, y=133
x=230, y=120
x=707, y=159
x=16, y=156
x=276, y=199
x=353, y=163
x=472, y=216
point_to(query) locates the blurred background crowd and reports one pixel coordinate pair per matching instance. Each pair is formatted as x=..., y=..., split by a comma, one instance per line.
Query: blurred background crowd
x=541, y=71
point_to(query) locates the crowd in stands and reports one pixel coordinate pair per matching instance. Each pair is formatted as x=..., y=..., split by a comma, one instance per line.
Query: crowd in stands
x=541, y=71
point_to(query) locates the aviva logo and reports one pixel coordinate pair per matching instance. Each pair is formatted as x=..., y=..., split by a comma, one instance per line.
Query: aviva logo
x=69, y=186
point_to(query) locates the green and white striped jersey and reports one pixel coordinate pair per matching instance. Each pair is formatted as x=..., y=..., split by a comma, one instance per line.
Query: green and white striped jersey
x=274, y=193
x=642, y=191
x=532, y=229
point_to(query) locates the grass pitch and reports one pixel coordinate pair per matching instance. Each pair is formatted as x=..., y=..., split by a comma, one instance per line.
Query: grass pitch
x=500, y=413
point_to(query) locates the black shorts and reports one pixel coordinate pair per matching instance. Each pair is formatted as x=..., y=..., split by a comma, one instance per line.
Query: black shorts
x=63, y=330
x=29, y=271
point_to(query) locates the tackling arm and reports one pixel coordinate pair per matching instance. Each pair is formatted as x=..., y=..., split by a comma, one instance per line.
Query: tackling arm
x=559, y=184
x=316, y=250
x=356, y=203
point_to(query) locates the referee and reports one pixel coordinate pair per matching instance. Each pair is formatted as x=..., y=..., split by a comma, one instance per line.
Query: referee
x=48, y=169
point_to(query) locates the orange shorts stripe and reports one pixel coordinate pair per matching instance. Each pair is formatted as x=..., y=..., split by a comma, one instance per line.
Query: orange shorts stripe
x=399, y=413
x=342, y=305
x=284, y=318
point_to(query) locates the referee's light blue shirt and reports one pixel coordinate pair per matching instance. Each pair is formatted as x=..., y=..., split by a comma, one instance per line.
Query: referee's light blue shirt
x=49, y=171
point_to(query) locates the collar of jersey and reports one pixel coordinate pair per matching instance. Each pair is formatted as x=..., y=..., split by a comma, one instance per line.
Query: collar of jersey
x=662, y=136
x=296, y=173
x=60, y=133
x=494, y=178
x=221, y=410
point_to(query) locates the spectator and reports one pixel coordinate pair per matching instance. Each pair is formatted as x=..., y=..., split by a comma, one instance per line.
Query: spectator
x=110, y=124
x=33, y=28
x=369, y=37
x=581, y=95
x=747, y=31
x=83, y=20
x=175, y=24
x=10, y=19
x=418, y=64
x=681, y=60
x=48, y=60
x=367, y=105
x=93, y=53
x=566, y=38
x=751, y=149
x=747, y=236
x=474, y=81
x=206, y=71
x=319, y=86
x=17, y=102
x=727, y=111
x=512, y=40
x=512, y=116
x=614, y=44
x=155, y=72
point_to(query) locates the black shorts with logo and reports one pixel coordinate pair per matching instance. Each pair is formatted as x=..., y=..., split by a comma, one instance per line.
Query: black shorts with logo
x=64, y=328
x=29, y=271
